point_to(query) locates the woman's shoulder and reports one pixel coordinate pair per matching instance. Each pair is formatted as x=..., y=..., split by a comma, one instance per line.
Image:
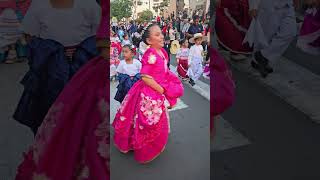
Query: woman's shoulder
x=150, y=51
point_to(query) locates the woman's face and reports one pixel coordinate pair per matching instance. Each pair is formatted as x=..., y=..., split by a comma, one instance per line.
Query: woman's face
x=156, y=39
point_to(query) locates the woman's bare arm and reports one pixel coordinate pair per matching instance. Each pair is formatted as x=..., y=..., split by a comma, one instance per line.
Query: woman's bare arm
x=152, y=83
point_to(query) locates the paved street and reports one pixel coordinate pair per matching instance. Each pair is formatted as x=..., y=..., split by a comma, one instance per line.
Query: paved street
x=272, y=130
x=14, y=138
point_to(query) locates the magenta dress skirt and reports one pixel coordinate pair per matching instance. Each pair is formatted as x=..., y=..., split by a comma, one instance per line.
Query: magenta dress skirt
x=141, y=123
x=73, y=140
x=222, y=91
x=232, y=23
x=309, y=38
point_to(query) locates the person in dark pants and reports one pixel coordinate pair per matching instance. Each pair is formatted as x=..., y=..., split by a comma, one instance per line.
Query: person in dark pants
x=167, y=46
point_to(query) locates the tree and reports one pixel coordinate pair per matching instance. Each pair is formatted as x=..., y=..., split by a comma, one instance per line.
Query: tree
x=121, y=8
x=146, y=15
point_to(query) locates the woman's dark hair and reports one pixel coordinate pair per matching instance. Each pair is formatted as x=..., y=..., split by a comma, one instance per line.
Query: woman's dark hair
x=182, y=41
x=125, y=34
x=146, y=33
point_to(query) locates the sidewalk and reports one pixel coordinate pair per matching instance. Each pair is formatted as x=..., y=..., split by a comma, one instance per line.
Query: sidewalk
x=14, y=137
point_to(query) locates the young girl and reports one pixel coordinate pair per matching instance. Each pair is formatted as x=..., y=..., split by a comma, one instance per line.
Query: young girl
x=73, y=141
x=142, y=122
x=128, y=72
x=115, y=52
x=114, y=37
x=126, y=40
x=182, y=59
x=61, y=39
x=195, y=58
x=206, y=70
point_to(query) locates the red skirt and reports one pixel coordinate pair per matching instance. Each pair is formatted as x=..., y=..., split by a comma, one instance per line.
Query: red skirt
x=232, y=23
x=182, y=68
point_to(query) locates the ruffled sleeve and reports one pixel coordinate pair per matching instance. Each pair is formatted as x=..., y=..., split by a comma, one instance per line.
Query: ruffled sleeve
x=148, y=61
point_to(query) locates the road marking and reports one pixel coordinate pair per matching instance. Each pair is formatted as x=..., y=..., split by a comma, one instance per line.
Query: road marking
x=201, y=88
x=293, y=83
x=227, y=137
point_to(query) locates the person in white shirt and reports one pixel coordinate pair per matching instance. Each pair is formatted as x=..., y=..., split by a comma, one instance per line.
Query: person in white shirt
x=126, y=40
x=195, y=58
x=278, y=21
x=128, y=72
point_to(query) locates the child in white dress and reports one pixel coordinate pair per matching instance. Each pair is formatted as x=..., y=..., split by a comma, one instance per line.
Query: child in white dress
x=128, y=72
x=195, y=59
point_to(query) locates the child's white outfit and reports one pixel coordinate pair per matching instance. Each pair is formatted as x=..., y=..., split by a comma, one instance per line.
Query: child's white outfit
x=195, y=61
x=126, y=42
x=129, y=69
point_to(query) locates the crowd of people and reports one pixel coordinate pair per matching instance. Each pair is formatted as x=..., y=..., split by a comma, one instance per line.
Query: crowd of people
x=64, y=98
x=186, y=40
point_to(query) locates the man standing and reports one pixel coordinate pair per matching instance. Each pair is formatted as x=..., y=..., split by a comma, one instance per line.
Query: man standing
x=195, y=27
x=278, y=21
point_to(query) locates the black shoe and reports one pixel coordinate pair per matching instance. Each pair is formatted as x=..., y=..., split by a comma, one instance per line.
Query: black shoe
x=191, y=81
x=268, y=68
x=260, y=58
x=261, y=63
x=259, y=67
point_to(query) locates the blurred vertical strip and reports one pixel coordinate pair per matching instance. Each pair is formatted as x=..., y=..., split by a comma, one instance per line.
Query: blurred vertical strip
x=103, y=44
x=103, y=30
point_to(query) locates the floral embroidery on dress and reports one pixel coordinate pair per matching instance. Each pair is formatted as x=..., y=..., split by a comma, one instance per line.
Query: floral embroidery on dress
x=39, y=177
x=45, y=130
x=122, y=118
x=102, y=132
x=152, y=59
x=152, y=109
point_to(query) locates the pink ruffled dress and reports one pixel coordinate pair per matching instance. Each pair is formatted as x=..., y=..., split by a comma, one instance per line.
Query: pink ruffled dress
x=73, y=140
x=222, y=91
x=141, y=123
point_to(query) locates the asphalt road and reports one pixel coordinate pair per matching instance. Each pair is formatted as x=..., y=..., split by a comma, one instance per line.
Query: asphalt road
x=284, y=143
